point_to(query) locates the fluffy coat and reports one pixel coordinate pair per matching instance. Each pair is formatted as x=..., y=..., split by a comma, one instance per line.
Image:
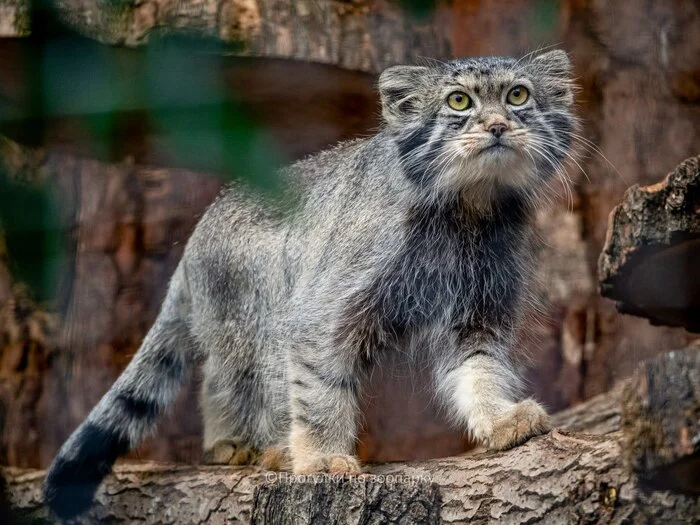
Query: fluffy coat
x=415, y=240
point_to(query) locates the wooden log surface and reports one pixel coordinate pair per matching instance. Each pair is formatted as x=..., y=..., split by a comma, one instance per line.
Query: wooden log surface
x=649, y=264
x=598, y=415
x=661, y=421
x=562, y=477
x=361, y=35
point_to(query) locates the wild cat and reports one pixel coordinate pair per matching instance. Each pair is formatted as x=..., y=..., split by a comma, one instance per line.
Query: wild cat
x=415, y=239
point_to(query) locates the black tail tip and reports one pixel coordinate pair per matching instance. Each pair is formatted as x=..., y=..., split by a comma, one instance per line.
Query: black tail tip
x=69, y=499
x=82, y=464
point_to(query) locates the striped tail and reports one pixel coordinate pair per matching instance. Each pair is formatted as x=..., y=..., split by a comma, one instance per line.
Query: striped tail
x=128, y=411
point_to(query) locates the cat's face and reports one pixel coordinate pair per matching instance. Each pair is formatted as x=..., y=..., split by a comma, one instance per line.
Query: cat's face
x=482, y=125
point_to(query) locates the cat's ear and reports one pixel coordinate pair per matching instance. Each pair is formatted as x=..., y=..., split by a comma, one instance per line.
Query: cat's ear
x=553, y=72
x=399, y=89
x=554, y=63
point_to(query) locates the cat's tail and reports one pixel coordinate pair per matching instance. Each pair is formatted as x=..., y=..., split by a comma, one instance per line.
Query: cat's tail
x=129, y=410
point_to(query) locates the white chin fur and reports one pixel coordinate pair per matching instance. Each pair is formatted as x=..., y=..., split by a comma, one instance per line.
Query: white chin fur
x=479, y=176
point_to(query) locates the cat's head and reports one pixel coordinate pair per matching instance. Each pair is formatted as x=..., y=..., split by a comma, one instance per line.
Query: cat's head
x=481, y=127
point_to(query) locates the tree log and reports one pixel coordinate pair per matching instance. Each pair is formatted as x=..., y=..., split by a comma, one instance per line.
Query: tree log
x=661, y=421
x=599, y=415
x=14, y=18
x=563, y=477
x=361, y=35
x=558, y=478
x=364, y=499
x=649, y=263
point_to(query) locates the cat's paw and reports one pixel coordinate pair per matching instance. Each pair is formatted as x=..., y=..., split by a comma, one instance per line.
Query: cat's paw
x=275, y=458
x=329, y=464
x=230, y=452
x=523, y=421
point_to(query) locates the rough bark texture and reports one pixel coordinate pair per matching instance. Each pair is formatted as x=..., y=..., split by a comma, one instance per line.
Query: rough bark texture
x=151, y=493
x=26, y=337
x=638, y=63
x=14, y=18
x=661, y=421
x=122, y=224
x=361, y=35
x=650, y=261
x=365, y=499
x=558, y=478
x=598, y=415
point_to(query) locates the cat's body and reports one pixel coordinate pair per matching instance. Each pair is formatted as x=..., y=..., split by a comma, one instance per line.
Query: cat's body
x=397, y=243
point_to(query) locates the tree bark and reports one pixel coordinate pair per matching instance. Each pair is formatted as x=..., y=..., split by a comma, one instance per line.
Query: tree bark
x=558, y=478
x=14, y=18
x=598, y=415
x=361, y=35
x=661, y=421
x=649, y=262
x=121, y=225
x=363, y=499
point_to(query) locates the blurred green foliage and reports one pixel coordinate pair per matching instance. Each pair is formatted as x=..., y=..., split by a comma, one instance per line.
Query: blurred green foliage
x=419, y=9
x=174, y=88
x=544, y=18
x=203, y=122
x=32, y=234
x=177, y=88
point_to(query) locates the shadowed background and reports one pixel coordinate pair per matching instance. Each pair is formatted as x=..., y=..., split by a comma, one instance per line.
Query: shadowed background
x=115, y=134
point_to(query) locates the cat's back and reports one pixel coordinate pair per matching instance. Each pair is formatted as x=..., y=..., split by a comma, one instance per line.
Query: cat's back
x=247, y=242
x=320, y=172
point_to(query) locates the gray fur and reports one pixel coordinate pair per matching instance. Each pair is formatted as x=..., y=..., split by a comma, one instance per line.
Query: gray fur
x=415, y=240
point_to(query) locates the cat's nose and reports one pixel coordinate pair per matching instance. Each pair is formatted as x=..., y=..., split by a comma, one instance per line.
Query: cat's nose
x=497, y=129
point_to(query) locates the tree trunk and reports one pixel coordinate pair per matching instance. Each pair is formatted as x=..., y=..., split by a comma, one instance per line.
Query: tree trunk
x=562, y=477
x=14, y=18
x=661, y=421
x=649, y=264
x=558, y=478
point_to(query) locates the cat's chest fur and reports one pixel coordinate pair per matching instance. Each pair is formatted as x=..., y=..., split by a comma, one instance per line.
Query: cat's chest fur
x=453, y=268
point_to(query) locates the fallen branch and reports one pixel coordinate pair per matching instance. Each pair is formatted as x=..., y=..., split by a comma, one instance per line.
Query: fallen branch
x=362, y=36
x=649, y=264
x=561, y=478
x=598, y=415
x=661, y=421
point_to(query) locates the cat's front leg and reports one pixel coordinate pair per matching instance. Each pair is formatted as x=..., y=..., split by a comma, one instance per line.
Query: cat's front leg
x=480, y=389
x=324, y=392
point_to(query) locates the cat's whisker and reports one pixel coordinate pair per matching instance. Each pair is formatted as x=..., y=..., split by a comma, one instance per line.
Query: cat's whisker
x=564, y=152
x=588, y=145
x=558, y=170
x=591, y=146
x=554, y=162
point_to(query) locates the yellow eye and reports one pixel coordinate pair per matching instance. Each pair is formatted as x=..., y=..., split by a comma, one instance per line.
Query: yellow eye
x=518, y=95
x=459, y=101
